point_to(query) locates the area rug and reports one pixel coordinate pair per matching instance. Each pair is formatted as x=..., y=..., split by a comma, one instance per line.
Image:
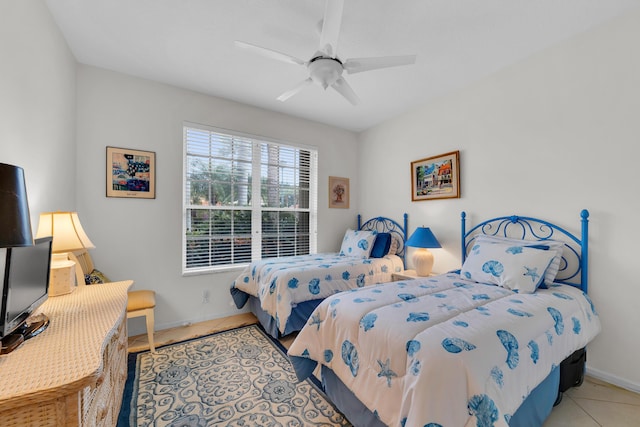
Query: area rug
x=239, y=377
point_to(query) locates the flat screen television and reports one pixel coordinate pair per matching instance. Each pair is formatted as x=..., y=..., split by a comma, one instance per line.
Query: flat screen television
x=24, y=288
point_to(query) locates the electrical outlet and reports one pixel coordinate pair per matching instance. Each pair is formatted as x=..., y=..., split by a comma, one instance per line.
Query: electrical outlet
x=205, y=296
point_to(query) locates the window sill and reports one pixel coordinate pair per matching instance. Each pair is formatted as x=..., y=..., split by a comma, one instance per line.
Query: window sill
x=199, y=272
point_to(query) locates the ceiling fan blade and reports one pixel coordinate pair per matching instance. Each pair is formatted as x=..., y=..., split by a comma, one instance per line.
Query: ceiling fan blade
x=331, y=27
x=270, y=53
x=288, y=94
x=343, y=88
x=357, y=65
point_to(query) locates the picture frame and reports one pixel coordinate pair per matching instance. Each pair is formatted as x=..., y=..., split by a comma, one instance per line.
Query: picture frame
x=338, y=192
x=436, y=177
x=131, y=173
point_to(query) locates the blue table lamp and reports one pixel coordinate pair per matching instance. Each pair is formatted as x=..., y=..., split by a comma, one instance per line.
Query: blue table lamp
x=423, y=239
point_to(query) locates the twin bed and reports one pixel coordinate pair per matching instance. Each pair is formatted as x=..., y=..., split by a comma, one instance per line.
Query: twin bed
x=486, y=345
x=283, y=292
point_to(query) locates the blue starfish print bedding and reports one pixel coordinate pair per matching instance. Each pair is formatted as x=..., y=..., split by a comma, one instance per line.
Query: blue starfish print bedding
x=443, y=350
x=280, y=283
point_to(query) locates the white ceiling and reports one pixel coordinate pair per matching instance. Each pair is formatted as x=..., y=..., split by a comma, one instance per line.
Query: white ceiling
x=190, y=44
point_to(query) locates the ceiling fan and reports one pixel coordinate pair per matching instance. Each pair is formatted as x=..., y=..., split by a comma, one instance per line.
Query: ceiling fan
x=325, y=68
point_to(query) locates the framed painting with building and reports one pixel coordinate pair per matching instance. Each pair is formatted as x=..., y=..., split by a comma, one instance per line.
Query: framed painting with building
x=131, y=173
x=436, y=177
x=338, y=192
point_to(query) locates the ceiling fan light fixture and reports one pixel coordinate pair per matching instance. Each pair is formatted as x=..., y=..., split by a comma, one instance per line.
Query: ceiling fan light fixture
x=324, y=68
x=325, y=71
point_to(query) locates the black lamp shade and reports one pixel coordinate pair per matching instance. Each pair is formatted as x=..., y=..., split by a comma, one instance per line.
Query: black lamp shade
x=15, y=222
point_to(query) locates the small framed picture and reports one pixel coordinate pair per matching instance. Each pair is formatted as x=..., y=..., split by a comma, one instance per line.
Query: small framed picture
x=436, y=177
x=338, y=192
x=131, y=173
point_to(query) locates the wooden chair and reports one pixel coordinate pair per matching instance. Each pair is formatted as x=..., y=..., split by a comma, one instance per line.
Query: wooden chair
x=139, y=303
x=142, y=303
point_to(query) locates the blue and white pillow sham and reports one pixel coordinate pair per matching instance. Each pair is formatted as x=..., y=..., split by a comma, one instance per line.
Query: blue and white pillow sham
x=552, y=245
x=357, y=243
x=509, y=265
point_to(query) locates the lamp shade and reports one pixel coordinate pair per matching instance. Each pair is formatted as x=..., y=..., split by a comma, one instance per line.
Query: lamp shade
x=423, y=238
x=15, y=223
x=68, y=234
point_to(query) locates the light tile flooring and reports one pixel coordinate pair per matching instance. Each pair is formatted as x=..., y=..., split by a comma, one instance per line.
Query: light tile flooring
x=593, y=404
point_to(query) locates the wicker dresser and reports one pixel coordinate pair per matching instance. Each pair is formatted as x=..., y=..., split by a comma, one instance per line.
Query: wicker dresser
x=74, y=372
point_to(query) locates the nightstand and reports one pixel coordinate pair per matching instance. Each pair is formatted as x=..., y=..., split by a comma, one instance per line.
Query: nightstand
x=404, y=275
x=407, y=275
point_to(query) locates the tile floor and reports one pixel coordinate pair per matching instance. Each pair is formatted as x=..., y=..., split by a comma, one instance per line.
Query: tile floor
x=593, y=404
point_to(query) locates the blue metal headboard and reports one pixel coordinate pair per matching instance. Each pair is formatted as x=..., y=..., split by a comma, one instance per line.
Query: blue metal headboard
x=574, y=265
x=387, y=225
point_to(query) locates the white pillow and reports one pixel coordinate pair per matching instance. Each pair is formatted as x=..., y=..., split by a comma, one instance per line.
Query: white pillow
x=512, y=266
x=554, y=245
x=358, y=243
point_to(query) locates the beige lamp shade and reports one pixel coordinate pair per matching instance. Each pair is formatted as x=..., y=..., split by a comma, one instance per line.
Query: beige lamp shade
x=68, y=234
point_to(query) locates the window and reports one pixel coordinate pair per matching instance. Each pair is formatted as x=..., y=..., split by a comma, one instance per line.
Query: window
x=245, y=198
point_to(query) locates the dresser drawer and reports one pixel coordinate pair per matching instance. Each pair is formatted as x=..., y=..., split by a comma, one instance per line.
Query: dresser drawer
x=102, y=402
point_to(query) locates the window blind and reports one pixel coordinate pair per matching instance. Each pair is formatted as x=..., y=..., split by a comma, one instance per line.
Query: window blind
x=245, y=198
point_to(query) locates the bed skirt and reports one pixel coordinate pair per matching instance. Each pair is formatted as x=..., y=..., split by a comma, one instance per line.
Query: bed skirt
x=299, y=316
x=532, y=413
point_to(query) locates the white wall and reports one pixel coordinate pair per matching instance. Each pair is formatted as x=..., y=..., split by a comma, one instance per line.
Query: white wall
x=547, y=137
x=37, y=105
x=141, y=239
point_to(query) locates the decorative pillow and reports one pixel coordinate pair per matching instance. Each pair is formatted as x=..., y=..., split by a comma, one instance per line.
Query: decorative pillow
x=516, y=267
x=358, y=243
x=393, y=249
x=381, y=245
x=95, y=277
x=553, y=245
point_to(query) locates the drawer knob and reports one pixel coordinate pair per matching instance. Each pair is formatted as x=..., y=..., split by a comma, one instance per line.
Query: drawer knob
x=100, y=380
x=102, y=413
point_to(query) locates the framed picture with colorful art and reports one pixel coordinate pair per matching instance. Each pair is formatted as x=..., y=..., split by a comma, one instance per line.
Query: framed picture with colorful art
x=131, y=173
x=338, y=192
x=436, y=177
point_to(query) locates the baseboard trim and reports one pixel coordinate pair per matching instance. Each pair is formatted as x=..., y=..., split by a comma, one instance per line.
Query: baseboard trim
x=170, y=325
x=613, y=379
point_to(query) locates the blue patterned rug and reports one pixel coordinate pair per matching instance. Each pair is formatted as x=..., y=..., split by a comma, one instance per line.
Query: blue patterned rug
x=233, y=378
